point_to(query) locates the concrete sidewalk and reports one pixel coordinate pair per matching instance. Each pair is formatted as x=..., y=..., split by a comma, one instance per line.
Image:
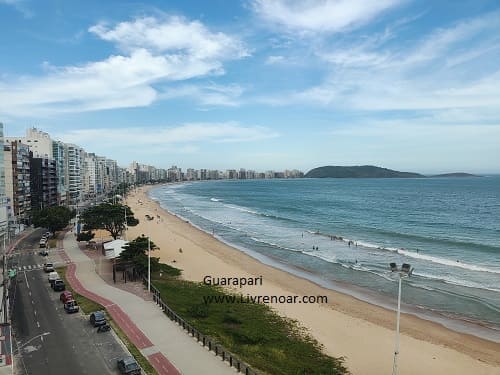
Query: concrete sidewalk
x=145, y=324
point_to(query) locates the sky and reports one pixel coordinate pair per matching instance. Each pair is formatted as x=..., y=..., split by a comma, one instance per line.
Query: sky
x=256, y=84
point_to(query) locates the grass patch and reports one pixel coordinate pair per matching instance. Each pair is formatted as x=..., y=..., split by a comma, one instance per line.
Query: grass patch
x=258, y=335
x=52, y=243
x=88, y=306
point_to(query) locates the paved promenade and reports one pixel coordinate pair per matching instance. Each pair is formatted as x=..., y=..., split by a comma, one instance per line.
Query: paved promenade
x=168, y=348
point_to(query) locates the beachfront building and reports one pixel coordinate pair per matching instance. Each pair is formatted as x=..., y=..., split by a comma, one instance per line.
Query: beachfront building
x=39, y=142
x=17, y=182
x=74, y=173
x=89, y=181
x=43, y=182
x=101, y=174
x=110, y=175
x=174, y=174
x=3, y=197
x=231, y=174
x=203, y=174
x=59, y=155
x=141, y=172
x=191, y=174
x=125, y=177
x=214, y=174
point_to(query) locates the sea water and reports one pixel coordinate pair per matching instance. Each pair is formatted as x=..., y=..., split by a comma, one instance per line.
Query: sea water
x=343, y=233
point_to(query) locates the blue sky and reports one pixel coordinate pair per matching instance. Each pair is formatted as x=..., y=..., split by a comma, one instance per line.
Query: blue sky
x=407, y=85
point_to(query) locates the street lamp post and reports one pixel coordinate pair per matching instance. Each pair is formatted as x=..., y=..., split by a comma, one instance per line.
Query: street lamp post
x=125, y=217
x=405, y=271
x=149, y=264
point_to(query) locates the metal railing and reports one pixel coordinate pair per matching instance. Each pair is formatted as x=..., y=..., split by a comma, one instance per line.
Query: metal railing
x=205, y=340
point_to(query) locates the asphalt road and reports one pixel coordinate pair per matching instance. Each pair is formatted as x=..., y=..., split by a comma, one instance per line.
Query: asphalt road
x=47, y=340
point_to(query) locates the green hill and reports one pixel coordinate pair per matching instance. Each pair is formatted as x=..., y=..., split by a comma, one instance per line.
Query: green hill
x=362, y=171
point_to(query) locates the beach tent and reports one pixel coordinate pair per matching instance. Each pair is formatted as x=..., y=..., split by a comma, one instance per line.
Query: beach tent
x=113, y=249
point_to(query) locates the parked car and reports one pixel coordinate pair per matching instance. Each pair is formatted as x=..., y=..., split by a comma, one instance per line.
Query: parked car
x=52, y=277
x=128, y=366
x=43, y=242
x=97, y=318
x=58, y=285
x=71, y=306
x=48, y=267
x=43, y=253
x=65, y=296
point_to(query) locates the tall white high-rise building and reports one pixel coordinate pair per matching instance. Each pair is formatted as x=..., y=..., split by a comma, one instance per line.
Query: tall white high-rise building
x=39, y=142
x=59, y=155
x=3, y=197
x=74, y=173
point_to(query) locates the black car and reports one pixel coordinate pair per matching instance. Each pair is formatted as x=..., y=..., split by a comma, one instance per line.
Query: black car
x=97, y=318
x=58, y=285
x=128, y=366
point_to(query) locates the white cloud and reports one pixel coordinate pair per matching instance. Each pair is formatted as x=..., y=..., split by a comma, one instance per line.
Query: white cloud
x=174, y=35
x=157, y=52
x=271, y=60
x=207, y=95
x=320, y=15
x=164, y=136
x=448, y=68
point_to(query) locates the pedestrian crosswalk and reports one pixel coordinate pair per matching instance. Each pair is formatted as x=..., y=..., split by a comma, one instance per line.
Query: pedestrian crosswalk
x=34, y=259
x=23, y=253
x=33, y=267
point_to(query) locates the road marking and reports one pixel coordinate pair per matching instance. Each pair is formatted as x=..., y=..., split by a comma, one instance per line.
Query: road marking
x=26, y=280
x=34, y=311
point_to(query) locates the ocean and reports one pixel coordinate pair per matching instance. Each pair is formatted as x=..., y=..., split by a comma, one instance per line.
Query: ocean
x=343, y=233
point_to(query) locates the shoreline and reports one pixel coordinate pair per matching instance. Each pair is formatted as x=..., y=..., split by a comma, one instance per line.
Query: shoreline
x=362, y=332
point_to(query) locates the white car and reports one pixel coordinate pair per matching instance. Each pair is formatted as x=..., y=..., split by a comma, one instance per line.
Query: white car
x=48, y=267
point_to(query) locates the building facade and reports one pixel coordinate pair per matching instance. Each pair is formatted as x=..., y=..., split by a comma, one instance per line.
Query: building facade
x=18, y=181
x=59, y=155
x=43, y=178
x=3, y=197
x=74, y=173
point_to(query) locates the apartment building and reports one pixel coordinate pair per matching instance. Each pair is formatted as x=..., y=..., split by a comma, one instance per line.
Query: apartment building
x=59, y=155
x=3, y=197
x=43, y=181
x=73, y=172
x=17, y=181
x=39, y=142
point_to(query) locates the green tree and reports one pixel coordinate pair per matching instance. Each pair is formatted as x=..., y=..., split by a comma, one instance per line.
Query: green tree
x=137, y=252
x=110, y=217
x=85, y=236
x=53, y=218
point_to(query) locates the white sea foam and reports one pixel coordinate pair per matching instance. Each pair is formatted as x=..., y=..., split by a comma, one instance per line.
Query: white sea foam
x=448, y=262
x=455, y=281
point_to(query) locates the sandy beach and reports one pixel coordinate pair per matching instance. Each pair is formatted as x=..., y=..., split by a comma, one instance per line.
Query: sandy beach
x=361, y=332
